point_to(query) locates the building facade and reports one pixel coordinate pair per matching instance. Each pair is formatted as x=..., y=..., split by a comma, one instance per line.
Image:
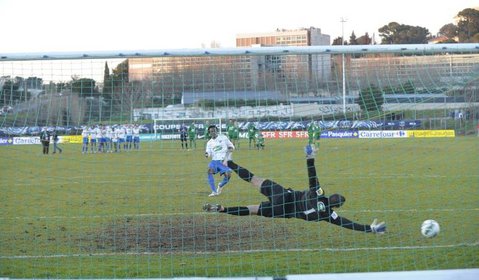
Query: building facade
x=310, y=67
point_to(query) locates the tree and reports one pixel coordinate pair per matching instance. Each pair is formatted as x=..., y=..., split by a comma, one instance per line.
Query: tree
x=364, y=40
x=370, y=98
x=467, y=25
x=85, y=87
x=395, y=33
x=352, y=39
x=9, y=92
x=449, y=31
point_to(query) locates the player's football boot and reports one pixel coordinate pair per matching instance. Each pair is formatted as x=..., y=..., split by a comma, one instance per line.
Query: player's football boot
x=213, y=194
x=219, y=189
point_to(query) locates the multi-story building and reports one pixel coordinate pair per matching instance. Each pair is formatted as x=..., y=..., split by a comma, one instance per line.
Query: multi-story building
x=299, y=67
x=291, y=74
x=283, y=37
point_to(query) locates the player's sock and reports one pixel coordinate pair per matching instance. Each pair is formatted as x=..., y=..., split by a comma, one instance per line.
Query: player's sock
x=237, y=211
x=225, y=181
x=211, y=181
x=243, y=173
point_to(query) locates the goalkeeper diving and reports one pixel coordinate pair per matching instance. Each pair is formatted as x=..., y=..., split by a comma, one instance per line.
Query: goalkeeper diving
x=309, y=205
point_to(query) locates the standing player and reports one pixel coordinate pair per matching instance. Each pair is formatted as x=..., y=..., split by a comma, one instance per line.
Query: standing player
x=251, y=135
x=230, y=130
x=121, y=134
x=101, y=138
x=93, y=138
x=259, y=140
x=136, y=137
x=109, y=139
x=85, y=134
x=206, y=133
x=114, y=139
x=129, y=137
x=192, y=135
x=183, y=136
x=311, y=132
x=219, y=148
x=236, y=138
x=309, y=205
x=317, y=135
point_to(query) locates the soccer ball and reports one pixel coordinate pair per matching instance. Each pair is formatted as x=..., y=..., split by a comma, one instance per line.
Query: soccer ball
x=430, y=228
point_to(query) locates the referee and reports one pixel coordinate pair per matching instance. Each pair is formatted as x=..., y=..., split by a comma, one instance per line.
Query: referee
x=309, y=205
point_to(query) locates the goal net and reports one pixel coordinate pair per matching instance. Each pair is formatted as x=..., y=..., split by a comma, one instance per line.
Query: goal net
x=115, y=194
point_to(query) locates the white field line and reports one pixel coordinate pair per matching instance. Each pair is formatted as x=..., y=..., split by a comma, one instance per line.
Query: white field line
x=86, y=178
x=246, y=251
x=203, y=213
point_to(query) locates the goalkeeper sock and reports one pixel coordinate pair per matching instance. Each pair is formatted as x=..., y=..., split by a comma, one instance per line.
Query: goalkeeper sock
x=237, y=211
x=243, y=173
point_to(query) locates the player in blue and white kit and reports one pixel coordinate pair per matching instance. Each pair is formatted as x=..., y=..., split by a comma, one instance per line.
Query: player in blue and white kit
x=121, y=137
x=93, y=139
x=219, y=148
x=109, y=138
x=114, y=139
x=85, y=134
x=136, y=137
x=101, y=137
x=129, y=137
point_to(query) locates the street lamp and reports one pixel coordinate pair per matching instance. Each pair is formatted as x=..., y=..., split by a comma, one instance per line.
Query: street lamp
x=343, y=20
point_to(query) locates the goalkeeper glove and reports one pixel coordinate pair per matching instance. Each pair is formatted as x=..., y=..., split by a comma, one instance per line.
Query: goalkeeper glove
x=378, y=228
x=310, y=151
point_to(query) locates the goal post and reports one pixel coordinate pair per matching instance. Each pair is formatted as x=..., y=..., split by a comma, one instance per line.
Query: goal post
x=396, y=131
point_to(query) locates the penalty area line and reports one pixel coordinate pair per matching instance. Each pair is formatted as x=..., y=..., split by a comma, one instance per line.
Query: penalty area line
x=246, y=251
x=203, y=213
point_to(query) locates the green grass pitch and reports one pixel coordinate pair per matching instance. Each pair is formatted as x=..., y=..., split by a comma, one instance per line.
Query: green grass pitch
x=138, y=214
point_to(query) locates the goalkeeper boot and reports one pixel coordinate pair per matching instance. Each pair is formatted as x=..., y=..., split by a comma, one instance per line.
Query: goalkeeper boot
x=211, y=207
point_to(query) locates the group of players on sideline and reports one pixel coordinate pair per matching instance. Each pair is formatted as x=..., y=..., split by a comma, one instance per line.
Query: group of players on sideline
x=110, y=139
x=189, y=135
x=309, y=205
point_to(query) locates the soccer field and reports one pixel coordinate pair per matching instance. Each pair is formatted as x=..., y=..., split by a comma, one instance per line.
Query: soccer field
x=138, y=214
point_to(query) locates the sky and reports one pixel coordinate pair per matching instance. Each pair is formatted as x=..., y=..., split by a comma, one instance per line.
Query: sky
x=109, y=25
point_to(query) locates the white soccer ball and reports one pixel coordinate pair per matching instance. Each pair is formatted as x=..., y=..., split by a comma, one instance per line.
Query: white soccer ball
x=430, y=228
